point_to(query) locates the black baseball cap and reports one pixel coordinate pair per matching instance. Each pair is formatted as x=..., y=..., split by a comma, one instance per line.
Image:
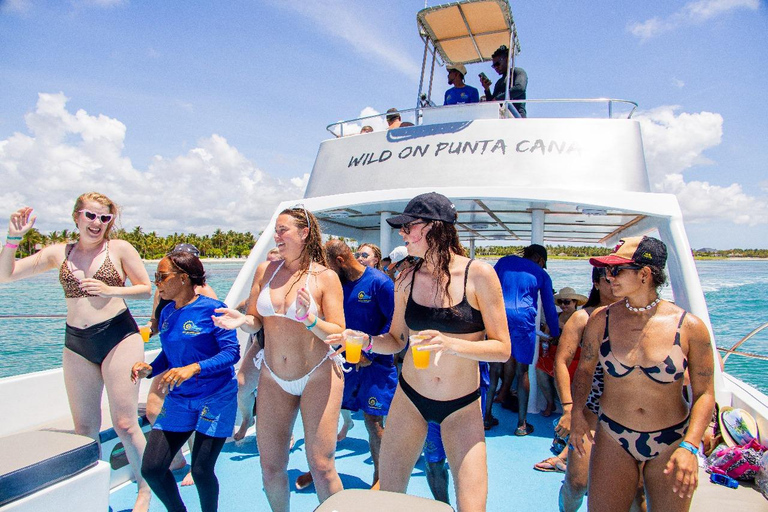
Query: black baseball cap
x=538, y=250
x=429, y=206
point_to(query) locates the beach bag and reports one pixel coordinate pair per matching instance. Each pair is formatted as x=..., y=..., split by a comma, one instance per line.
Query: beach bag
x=761, y=479
x=739, y=462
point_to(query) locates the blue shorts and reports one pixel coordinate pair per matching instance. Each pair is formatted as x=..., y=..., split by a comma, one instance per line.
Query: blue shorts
x=523, y=342
x=433, y=445
x=370, y=388
x=213, y=415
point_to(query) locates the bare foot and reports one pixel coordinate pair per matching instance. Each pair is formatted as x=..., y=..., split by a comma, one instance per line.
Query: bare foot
x=188, y=480
x=178, y=461
x=240, y=434
x=142, y=500
x=344, y=429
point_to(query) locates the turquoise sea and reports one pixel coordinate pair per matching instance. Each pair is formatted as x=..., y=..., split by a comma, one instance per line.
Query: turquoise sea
x=736, y=292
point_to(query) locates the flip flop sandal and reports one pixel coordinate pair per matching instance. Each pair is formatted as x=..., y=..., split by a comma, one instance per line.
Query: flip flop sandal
x=524, y=430
x=551, y=465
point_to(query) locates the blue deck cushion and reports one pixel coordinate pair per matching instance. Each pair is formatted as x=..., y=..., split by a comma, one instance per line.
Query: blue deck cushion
x=34, y=460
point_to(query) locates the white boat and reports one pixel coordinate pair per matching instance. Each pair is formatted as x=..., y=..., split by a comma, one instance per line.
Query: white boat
x=544, y=179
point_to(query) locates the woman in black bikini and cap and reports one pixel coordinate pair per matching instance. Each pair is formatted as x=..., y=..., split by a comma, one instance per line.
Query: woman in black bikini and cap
x=456, y=305
x=102, y=339
x=645, y=345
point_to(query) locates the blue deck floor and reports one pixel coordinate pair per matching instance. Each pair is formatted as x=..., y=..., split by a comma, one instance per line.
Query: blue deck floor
x=513, y=484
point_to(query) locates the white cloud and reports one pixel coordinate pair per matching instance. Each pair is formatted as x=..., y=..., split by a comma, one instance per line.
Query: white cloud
x=678, y=83
x=211, y=186
x=363, y=30
x=15, y=6
x=674, y=144
x=692, y=13
x=378, y=123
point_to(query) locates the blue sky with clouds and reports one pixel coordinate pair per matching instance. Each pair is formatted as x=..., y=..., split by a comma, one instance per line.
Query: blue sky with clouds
x=225, y=103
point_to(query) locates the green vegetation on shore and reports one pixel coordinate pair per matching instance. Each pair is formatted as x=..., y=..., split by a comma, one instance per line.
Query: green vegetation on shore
x=232, y=244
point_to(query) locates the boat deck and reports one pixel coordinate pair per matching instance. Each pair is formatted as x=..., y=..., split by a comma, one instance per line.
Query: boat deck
x=513, y=484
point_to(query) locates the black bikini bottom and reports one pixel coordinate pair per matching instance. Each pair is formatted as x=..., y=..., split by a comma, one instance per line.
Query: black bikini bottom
x=435, y=411
x=95, y=342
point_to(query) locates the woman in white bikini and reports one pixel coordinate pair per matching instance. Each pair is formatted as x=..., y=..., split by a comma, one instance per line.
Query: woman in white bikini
x=299, y=302
x=102, y=339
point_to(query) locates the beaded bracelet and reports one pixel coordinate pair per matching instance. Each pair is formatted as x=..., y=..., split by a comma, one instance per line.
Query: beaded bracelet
x=685, y=445
x=312, y=325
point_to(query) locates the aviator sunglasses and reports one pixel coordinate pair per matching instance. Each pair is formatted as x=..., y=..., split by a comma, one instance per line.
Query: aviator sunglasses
x=613, y=271
x=162, y=276
x=103, y=217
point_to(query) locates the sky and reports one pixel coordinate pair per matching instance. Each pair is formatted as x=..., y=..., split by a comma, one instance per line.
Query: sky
x=200, y=115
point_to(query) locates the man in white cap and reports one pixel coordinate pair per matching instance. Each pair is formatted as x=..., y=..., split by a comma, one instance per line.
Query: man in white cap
x=397, y=257
x=460, y=92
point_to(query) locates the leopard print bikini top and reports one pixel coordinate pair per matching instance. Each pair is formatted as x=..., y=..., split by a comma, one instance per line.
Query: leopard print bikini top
x=107, y=274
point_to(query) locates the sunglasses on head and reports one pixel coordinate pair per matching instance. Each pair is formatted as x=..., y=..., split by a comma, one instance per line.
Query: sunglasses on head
x=565, y=302
x=406, y=228
x=103, y=217
x=301, y=207
x=364, y=255
x=613, y=271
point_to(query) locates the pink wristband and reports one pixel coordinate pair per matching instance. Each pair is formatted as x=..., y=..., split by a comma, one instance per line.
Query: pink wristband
x=302, y=318
x=11, y=246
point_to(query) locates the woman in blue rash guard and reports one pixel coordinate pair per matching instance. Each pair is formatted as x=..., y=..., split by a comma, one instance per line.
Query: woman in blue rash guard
x=200, y=378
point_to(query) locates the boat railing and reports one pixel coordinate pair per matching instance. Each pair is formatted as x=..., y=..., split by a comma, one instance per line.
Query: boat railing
x=425, y=114
x=732, y=351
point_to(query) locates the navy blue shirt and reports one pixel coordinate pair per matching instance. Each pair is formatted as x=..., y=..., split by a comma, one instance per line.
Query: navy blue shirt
x=188, y=335
x=466, y=94
x=369, y=303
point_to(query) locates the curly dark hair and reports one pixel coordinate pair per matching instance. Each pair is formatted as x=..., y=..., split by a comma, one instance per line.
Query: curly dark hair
x=442, y=242
x=658, y=276
x=189, y=264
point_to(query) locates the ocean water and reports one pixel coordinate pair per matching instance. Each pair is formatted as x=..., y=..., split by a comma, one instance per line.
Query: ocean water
x=32, y=337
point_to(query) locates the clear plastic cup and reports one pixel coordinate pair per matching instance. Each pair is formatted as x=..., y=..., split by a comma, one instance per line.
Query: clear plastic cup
x=354, y=348
x=420, y=357
x=145, y=332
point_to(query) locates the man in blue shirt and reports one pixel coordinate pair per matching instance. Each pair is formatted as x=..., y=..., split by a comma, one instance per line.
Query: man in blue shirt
x=522, y=281
x=460, y=92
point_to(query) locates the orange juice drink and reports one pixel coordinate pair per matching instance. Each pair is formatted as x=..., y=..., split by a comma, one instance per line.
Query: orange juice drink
x=354, y=347
x=420, y=357
x=145, y=331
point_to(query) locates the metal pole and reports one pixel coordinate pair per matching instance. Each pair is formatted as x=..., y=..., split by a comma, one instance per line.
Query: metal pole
x=385, y=234
x=472, y=248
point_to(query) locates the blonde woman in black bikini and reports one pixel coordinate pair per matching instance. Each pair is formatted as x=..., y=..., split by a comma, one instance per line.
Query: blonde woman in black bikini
x=645, y=345
x=102, y=339
x=457, y=305
x=299, y=302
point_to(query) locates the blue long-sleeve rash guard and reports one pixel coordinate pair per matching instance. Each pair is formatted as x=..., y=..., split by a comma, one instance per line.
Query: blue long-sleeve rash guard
x=188, y=335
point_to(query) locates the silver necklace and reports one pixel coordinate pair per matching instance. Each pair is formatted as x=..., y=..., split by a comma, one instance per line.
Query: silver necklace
x=644, y=308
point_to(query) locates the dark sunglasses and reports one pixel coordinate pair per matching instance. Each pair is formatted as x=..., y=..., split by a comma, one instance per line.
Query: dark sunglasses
x=162, y=276
x=103, y=217
x=496, y=64
x=565, y=302
x=407, y=227
x=364, y=255
x=613, y=271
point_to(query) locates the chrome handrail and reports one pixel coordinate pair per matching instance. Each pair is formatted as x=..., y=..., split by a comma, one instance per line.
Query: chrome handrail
x=732, y=350
x=611, y=102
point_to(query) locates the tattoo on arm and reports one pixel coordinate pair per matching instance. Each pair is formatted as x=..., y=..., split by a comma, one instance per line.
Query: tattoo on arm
x=706, y=372
x=402, y=338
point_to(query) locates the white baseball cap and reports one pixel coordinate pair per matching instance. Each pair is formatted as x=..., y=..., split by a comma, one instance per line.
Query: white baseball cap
x=398, y=254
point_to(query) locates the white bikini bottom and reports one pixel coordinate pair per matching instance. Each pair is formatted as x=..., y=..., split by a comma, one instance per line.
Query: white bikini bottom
x=296, y=387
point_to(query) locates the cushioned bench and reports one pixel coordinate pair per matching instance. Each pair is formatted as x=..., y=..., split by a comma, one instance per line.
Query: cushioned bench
x=350, y=500
x=35, y=462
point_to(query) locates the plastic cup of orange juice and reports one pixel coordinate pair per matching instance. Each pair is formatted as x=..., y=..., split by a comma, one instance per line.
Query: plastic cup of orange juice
x=420, y=357
x=354, y=347
x=145, y=332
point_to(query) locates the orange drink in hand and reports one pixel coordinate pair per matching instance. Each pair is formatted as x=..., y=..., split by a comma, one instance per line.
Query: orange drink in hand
x=354, y=347
x=420, y=357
